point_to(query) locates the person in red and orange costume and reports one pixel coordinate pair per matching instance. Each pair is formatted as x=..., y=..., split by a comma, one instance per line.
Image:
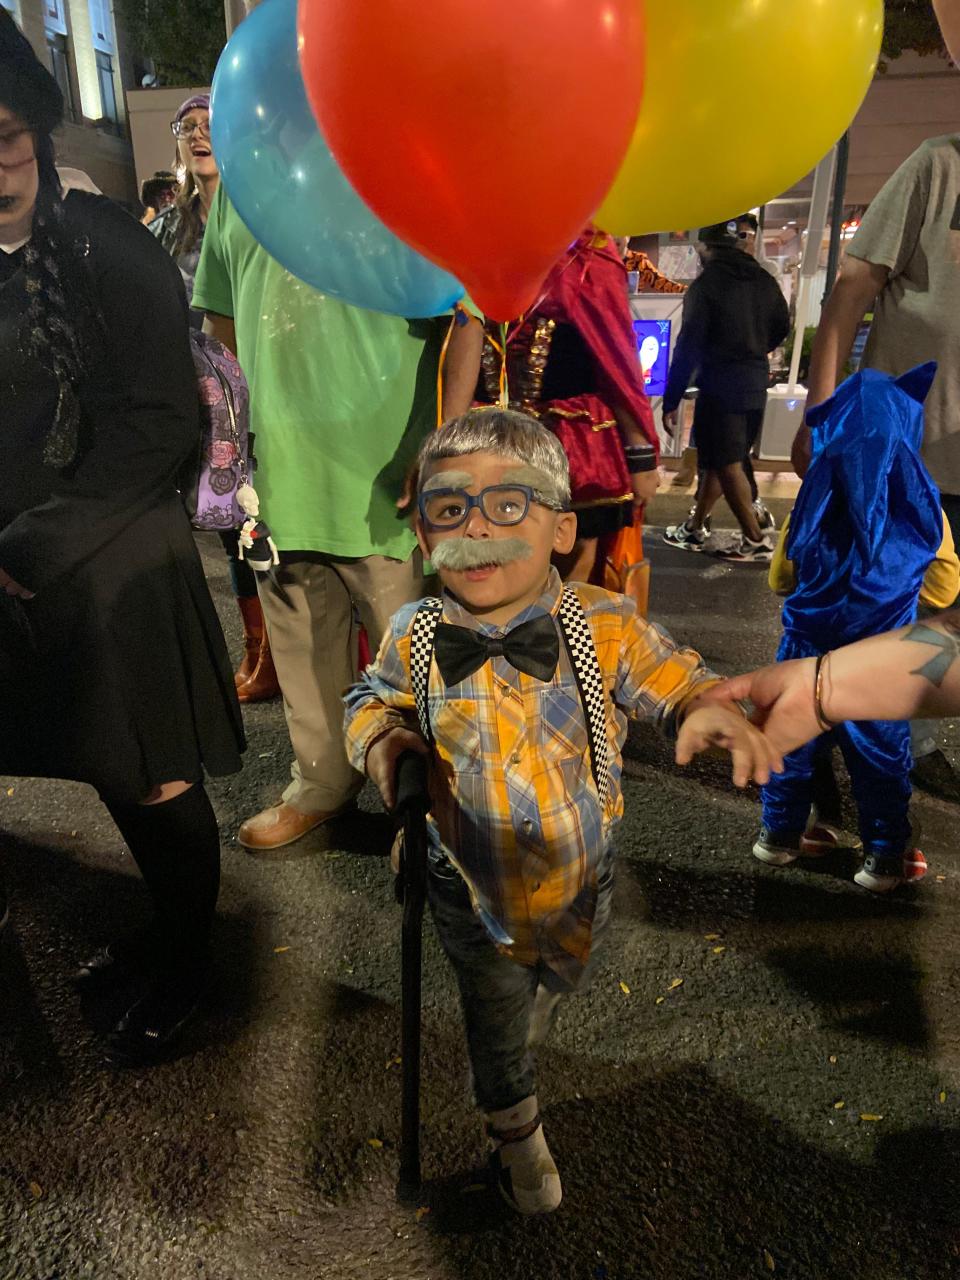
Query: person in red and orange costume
x=571, y=362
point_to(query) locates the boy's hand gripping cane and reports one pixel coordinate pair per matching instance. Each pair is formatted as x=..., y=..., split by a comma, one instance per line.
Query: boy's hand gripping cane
x=411, y=809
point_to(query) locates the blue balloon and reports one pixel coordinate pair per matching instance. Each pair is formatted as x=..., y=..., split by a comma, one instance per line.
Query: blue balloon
x=286, y=186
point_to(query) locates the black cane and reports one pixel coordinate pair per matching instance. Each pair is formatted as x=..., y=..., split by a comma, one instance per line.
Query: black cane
x=411, y=809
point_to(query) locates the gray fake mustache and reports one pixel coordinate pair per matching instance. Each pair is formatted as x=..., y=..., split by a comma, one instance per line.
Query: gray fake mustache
x=470, y=553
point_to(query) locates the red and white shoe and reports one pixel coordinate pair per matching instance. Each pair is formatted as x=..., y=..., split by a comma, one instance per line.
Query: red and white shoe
x=821, y=838
x=914, y=866
x=914, y=869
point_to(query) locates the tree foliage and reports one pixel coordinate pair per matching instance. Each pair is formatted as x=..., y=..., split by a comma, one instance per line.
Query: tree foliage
x=911, y=26
x=183, y=37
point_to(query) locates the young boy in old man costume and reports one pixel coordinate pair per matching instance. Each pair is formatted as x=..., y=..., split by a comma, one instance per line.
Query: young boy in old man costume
x=519, y=689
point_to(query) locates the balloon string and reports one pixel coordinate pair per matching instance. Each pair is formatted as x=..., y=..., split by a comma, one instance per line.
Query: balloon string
x=521, y=321
x=440, y=366
x=504, y=388
x=507, y=337
x=501, y=349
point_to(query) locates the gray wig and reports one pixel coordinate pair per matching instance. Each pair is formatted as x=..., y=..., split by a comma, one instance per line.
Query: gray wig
x=505, y=433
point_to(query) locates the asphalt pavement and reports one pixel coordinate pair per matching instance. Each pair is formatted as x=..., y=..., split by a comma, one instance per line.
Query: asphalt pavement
x=763, y=1080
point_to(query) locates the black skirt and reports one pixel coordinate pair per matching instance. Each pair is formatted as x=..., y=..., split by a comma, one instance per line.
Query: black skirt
x=119, y=676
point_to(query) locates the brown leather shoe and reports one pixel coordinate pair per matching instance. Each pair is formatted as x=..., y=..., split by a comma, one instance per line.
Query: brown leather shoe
x=253, y=633
x=263, y=683
x=282, y=824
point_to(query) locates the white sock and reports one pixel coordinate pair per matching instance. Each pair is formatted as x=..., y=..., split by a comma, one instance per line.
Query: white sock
x=526, y=1174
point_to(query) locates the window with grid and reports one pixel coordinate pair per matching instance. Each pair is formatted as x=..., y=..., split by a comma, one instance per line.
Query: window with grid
x=108, y=93
x=101, y=25
x=59, y=53
x=55, y=16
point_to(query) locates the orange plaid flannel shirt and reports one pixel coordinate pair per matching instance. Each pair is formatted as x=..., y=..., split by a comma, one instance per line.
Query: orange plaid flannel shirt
x=514, y=805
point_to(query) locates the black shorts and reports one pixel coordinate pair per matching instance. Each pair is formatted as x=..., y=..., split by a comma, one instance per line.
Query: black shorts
x=722, y=437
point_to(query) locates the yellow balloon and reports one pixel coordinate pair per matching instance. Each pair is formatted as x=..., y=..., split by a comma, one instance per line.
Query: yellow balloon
x=742, y=98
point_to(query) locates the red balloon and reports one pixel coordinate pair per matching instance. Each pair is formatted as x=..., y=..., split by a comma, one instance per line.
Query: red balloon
x=484, y=133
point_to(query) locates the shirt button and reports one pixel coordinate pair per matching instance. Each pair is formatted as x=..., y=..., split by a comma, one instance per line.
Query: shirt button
x=535, y=888
x=516, y=758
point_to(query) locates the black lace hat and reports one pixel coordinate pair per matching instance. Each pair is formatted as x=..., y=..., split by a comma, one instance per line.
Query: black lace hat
x=26, y=87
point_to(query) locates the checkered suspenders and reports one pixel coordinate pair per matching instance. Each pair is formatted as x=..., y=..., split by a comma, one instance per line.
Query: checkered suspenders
x=586, y=670
x=583, y=658
x=422, y=639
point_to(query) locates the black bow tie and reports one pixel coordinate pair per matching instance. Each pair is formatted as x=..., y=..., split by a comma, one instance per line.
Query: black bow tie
x=533, y=647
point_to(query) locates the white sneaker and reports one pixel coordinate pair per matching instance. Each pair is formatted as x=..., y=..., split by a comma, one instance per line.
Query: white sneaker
x=914, y=868
x=685, y=537
x=526, y=1175
x=747, y=552
x=776, y=851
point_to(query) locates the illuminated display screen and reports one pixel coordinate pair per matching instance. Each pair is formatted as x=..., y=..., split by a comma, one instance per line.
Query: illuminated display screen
x=653, y=348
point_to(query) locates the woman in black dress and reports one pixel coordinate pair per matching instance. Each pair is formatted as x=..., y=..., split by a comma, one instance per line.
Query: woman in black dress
x=113, y=669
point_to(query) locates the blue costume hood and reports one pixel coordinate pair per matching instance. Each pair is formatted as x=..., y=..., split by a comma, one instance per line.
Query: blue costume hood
x=867, y=522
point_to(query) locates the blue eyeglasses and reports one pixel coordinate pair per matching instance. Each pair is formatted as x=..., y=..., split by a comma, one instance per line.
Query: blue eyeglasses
x=502, y=504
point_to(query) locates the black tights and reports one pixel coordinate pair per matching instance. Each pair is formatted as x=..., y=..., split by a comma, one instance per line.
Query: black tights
x=176, y=845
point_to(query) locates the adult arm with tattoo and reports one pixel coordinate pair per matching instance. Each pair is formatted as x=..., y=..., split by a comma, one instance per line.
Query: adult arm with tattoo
x=898, y=676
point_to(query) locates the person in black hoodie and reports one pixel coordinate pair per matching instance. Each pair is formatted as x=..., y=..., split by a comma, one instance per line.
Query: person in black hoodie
x=734, y=315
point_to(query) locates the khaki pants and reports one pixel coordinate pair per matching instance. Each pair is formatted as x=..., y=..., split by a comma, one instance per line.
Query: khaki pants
x=314, y=651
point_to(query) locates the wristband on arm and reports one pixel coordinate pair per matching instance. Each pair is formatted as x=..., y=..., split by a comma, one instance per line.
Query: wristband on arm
x=640, y=457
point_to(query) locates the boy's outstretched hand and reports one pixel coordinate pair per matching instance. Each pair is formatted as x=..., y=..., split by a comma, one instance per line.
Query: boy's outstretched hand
x=383, y=756
x=724, y=727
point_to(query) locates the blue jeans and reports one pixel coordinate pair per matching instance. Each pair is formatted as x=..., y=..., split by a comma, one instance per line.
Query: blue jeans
x=877, y=756
x=496, y=992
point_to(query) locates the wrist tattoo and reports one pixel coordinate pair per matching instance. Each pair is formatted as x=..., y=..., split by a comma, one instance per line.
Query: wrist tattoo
x=936, y=668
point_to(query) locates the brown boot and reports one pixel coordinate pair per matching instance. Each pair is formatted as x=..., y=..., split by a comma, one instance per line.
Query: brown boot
x=263, y=684
x=282, y=824
x=253, y=632
x=687, y=471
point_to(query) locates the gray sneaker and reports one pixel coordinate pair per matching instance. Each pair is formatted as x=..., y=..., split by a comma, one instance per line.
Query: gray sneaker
x=882, y=876
x=777, y=848
x=747, y=552
x=685, y=537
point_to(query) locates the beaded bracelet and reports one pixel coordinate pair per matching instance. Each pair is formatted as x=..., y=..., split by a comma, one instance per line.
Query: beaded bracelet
x=823, y=720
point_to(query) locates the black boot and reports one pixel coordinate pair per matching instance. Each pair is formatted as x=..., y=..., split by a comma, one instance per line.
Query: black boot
x=176, y=845
x=133, y=955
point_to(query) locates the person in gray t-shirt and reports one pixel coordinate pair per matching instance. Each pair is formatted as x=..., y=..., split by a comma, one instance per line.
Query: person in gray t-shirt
x=904, y=265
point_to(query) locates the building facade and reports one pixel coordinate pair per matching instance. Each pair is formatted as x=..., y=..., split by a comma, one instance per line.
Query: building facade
x=85, y=49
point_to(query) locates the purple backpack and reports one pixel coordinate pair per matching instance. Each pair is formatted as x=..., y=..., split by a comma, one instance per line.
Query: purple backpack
x=225, y=459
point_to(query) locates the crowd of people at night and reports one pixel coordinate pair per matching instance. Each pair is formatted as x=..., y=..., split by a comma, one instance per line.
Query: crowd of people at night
x=468, y=499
